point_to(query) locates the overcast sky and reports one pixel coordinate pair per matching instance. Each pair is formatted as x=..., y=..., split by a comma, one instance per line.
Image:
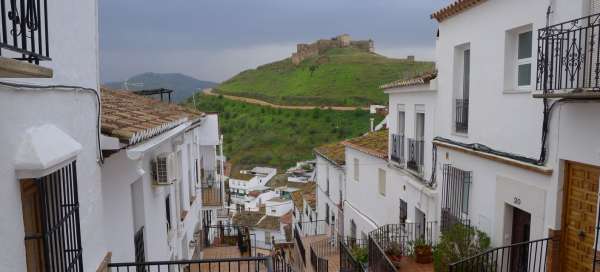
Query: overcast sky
x=216, y=39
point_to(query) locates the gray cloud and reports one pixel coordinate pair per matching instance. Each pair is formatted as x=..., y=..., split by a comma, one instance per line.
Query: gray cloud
x=215, y=39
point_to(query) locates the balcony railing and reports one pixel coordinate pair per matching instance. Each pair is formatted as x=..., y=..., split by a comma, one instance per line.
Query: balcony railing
x=461, y=124
x=24, y=30
x=212, y=193
x=416, y=153
x=455, y=197
x=398, y=235
x=569, y=56
x=398, y=148
x=526, y=256
x=264, y=263
x=348, y=262
x=226, y=235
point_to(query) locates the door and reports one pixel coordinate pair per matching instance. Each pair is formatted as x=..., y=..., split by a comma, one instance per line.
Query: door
x=521, y=227
x=420, y=225
x=32, y=222
x=579, y=216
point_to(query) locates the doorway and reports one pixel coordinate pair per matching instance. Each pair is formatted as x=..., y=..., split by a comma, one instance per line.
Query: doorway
x=420, y=219
x=521, y=230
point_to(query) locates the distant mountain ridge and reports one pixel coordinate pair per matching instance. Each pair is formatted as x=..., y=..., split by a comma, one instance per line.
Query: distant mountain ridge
x=183, y=85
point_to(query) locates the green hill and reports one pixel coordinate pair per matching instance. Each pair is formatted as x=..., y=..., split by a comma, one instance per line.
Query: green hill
x=340, y=76
x=183, y=85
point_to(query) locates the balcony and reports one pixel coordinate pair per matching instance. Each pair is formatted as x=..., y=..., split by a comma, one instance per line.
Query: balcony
x=416, y=153
x=568, y=61
x=24, y=41
x=397, y=154
x=461, y=124
x=212, y=190
x=262, y=264
x=399, y=238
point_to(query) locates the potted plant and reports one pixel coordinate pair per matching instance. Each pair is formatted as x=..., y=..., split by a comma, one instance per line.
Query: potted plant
x=394, y=253
x=423, y=251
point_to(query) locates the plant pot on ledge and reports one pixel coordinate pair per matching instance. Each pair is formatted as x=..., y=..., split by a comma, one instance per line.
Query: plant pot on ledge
x=423, y=254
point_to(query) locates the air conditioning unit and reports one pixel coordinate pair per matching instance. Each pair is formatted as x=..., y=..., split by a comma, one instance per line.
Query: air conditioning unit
x=162, y=169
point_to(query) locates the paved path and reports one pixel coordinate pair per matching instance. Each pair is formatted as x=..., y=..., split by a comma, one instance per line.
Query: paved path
x=209, y=91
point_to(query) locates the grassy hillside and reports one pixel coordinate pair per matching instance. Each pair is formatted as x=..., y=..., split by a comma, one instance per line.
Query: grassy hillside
x=183, y=85
x=258, y=135
x=343, y=76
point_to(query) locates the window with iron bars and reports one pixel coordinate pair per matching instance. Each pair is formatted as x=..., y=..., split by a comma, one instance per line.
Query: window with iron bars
x=455, y=196
x=51, y=221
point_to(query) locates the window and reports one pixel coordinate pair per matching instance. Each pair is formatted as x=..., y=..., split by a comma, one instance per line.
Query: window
x=403, y=211
x=524, y=59
x=168, y=211
x=355, y=169
x=455, y=196
x=267, y=237
x=462, y=89
x=466, y=83
x=382, y=182
x=327, y=191
x=401, y=120
x=326, y=213
x=50, y=209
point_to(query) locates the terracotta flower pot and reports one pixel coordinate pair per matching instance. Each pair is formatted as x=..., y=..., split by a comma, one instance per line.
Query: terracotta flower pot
x=423, y=255
x=395, y=259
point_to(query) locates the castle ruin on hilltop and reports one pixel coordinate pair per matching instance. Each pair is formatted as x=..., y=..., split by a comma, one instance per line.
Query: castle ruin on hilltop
x=305, y=51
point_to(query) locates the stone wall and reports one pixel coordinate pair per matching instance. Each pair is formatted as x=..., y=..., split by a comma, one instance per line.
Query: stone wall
x=304, y=51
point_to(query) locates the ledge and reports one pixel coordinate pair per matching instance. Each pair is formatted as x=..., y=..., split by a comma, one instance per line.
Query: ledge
x=525, y=166
x=570, y=95
x=11, y=68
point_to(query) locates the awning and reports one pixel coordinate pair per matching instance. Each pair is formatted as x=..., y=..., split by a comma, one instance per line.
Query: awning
x=43, y=150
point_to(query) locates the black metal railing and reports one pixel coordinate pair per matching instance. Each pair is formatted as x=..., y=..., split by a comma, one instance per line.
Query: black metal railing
x=378, y=261
x=25, y=30
x=348, y=262
x=569, y=56
x=315, y=227
x=212, y=193
x=263, y=263
x=528, y=256
x=461, y=123
x=280, y=264
x=226, y=235
x=404, y=235
x=319, y=264
x=416, y=152
x=455, y=196
x=300, y=245
x=397, y=154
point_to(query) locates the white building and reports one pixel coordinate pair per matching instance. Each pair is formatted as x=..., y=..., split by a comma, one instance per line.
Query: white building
x=156, y=218
x=50, y=137
x=249, y=180
x=331, y=179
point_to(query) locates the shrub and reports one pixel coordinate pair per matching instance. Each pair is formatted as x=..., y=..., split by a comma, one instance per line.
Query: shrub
x=457, y=243
x=361, y=254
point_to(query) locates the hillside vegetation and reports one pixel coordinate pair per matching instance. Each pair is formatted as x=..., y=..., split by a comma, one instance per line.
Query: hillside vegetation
x=340, y=76
x=259, y=135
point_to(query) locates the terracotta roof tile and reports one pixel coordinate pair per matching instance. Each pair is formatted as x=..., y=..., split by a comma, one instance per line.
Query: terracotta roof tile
x=133, y=118
x=269, y=222
x=373, y=143
x=333, y=152
x=246, y=218
x=456, y=7
x=417, y=80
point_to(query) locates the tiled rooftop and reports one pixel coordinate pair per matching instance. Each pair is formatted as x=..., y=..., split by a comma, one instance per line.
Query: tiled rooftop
x=373, y=143
x=333, y=152
x=417, y=80
x=134, y=118
x=269, y=222
x=454, y=8
x=246, y=218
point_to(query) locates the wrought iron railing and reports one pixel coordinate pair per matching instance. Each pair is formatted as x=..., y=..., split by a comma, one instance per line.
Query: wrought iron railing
x=315, y=227
x=461, y=123
x=397, y=148
x=226, y=235
x=348, y=262
x=416, y=152
x=569, y=55
x=263, y=263
x=455, y=197
x=212, y=193
x=378, y=261
x=25, y=30
x=318, y=263
x=528, y=256
x=300, y=245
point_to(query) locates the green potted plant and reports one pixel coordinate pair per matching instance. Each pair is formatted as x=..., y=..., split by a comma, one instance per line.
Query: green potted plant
x=423, y=251
x=394, y=253
x=457, y=243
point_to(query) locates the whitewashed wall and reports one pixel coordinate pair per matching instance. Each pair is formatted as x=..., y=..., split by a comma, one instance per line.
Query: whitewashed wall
x=327, y=170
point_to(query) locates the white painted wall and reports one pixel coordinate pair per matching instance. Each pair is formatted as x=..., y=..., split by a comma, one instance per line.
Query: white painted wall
x=327, y=171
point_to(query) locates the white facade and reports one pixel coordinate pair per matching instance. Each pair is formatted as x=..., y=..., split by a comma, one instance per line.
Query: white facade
x=135, y=201
x=73, y=32
x=278, y=206
x=331, y=192
x=240, y=188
